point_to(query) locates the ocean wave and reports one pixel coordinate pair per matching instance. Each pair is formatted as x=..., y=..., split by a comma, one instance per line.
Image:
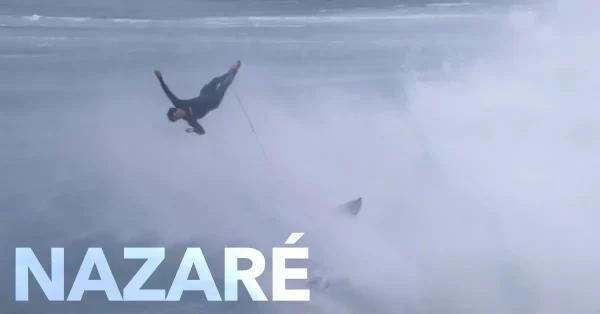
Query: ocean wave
x=39, y=18
x=235, y=21
x=452, y=4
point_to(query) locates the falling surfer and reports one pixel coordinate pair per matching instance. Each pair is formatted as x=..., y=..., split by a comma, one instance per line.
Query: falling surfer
x=196, y=108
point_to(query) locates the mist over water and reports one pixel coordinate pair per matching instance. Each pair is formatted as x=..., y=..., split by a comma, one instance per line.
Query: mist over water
x=473, y=141
x=515, y=136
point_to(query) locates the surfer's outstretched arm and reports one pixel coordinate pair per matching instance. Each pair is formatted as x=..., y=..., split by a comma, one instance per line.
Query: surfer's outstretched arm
x=166, y=89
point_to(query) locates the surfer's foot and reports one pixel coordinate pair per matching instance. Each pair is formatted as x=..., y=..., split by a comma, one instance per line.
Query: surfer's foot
x=236, y=65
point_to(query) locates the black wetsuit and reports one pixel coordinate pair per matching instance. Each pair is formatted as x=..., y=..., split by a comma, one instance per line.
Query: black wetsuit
x=209, y=99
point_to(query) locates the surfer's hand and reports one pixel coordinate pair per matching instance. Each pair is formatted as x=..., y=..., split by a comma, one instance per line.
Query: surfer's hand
x=199, y=131
x=158, y=74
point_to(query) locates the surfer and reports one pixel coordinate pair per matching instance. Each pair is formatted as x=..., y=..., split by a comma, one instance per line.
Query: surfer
x=196, y=108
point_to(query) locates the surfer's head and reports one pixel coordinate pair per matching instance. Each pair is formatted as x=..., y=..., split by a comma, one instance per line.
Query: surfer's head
x=175, y=114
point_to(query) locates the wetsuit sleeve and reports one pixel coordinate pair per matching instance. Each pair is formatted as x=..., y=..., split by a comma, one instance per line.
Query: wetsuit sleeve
x=198, y=129
x=176, y=102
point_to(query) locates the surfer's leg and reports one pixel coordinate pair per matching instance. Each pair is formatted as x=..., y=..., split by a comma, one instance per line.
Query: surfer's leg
x=227, y=78
x=215, y=84
x=226, y=81
x=210, y=87
x=218, y=85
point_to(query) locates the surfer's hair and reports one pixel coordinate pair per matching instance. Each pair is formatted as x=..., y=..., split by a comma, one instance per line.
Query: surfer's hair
x=171, y=114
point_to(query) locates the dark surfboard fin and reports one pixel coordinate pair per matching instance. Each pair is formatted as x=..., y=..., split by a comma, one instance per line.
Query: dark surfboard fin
x=352, y=207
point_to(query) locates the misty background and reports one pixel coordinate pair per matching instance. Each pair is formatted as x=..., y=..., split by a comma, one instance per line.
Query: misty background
x=469, y=129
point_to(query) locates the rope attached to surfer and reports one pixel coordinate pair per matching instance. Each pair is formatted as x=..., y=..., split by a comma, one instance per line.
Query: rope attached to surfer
x=252, y=127
x=352, y=207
